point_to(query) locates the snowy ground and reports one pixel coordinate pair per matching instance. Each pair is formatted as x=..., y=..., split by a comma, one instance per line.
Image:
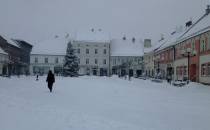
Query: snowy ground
x=101, y=103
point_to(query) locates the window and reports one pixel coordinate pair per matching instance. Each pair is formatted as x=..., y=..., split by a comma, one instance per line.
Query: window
x=36, y=60
x=202, y=45
x=208, y=73
x=139, y=61
x=96, y=51
x=78, y=51
x=181, y=70
x=104, y=61
x=87, y=51
x=104, y=51
x=46, y=60
x=56, y=60
x=96, y=61
x=87, y=61
x=205, y=69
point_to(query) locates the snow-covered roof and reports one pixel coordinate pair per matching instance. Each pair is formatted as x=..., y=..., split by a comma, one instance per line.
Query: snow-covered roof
x=120, y=47
x=2, y=51
x=201, y=26
x=54, y=46
x=9, y=40
x=92, y=36
x=156, y=46
x=171, y=40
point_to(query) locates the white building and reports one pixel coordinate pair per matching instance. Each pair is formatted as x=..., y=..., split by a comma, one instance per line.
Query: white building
x=149, y=68
x=126, y=57
x=3, y=62
x=93, y=50
x=48, y=55
x=97, y=55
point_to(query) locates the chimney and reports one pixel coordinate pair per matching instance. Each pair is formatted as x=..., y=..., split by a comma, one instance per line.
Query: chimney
x=147, y=43
x=189, y=23
x=208, y=9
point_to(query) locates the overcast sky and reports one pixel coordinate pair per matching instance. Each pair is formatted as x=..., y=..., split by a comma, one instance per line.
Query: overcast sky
x=37, y=20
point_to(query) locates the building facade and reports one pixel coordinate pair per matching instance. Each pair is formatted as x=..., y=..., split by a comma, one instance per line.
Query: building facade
x=204, y=62
x=187, y=54
x=126, y=57
x=93, y=56
x=4, y=58
x=19, y=54
x=149, y=65
x=164, y=60
x=48, y=55
x=42, y=63
x=127, y=65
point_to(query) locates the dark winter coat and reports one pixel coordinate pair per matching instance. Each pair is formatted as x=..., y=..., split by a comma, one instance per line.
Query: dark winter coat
x=50, y=78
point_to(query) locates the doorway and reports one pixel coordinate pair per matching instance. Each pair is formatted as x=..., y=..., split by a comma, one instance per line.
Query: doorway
x=193, y=72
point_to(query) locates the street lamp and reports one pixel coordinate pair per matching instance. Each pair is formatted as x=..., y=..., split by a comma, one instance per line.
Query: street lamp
x=188, y=52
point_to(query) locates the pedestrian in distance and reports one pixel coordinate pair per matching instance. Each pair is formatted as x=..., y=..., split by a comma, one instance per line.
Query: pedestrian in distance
x=50, y=80
x=169, y=78
x=37, y=77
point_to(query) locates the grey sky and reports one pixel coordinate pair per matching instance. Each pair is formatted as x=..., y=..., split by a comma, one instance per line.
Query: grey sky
x=37, y=20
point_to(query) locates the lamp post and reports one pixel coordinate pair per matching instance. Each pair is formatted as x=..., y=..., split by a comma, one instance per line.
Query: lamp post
x=188, y=52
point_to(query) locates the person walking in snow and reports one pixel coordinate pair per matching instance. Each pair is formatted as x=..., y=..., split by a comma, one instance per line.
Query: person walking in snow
x=37, y=77
x=50, y=80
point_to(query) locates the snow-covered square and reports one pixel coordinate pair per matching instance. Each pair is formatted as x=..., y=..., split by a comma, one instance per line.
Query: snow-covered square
x=102, y=103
